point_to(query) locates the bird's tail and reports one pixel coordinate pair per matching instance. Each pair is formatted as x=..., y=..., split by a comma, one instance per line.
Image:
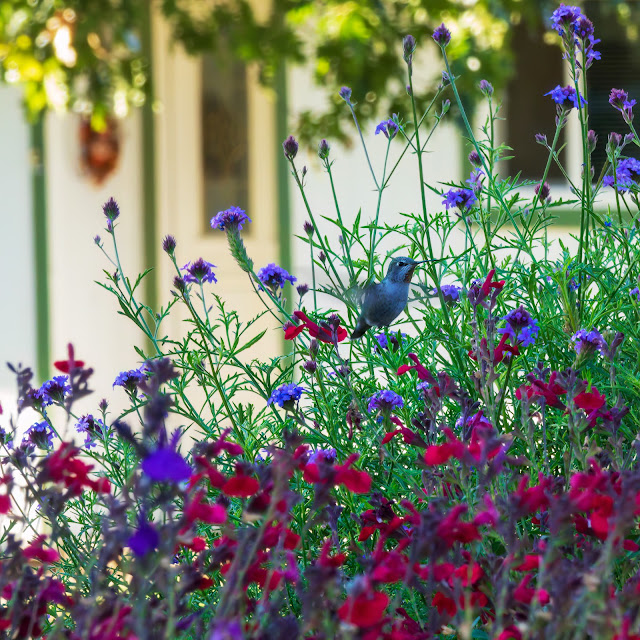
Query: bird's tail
x=361, y=328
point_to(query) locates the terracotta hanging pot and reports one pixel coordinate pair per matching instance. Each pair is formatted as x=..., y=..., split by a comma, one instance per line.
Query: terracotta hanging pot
x=99, y=150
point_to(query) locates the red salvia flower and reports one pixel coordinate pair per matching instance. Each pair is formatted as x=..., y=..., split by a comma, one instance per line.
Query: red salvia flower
x=364, y=610
x=315, y=331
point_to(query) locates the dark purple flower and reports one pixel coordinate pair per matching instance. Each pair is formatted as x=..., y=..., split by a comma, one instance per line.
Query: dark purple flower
x=384, y=341
x=442, y=36
x=323, y=149
x=345, y=94
x=521, y=327
x=620, y=100
x=385, y=401
x=486, y=88
x=475, y=181
x=636, y=293
x=286, y=395
x=464, y=199
x=475, y=159
x=389, y=128
x=166, y=465
x=565, y=18
x=145, y=539
x=92, y=428
x=111, y=209
x=408, y=47
x=627, y=174
x=274, y=277
x=227, y=630
x=129, y=380
x=592, y=140
x=290, y=148
x=450, y=293
x=55, y=390
x=541, y=139
x=310, y=366
x=565, y=97
x=231, y=218
x=326, y=455
x=308, y=228
x=302, y=289
x=543, y=191
x=39, y=435
x=169, y=245
x=199, y=271
x=586, y=342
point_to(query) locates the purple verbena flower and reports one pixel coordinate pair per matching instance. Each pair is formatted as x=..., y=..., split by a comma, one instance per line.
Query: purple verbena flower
x=565, y=18
x=55, y=390
x=227, y=630
x=389, y=128
x=286, y=395
x=450, y=293
x=619, y=99
x=326, y=455
x=635, y=292
x=586, y=342
x=565, y=97
x=464, y=199
x=144, y=540
x=166, y=465
x=92, y=428
x=274, y=277
x=231, y=218
x=385, y=401
x=384, y=341
x=345, y=94
x=199, y=271
x=627, y=174
x=521, y=327
x=408, y=47
x=475, y=181
x=111, y=209
x=486, y=88
x=442, y=35
x=290, y=148
x=39, y=435
x=129, y=380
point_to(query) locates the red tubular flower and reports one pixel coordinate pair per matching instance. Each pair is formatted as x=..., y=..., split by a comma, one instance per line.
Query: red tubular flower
x=325, y=560
x=525, y=594
x=590, y=401
x=420, y=369
x=510, y=633
x=198, y=509
x=68, y=365
x=365, y=609
x=452, y=530
x=489, y=284
x=241, y=485
x=444, y=604
x=529, y=563
x=440, y=453
x=36, y=550
x=532, y=499
x=5, y=503
x=354, y=480
x=547, y=391
x=315, y=331
x=63, y=466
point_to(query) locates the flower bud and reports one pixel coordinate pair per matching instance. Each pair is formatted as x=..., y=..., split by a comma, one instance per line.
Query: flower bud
x=290, y=147
x=486, y=88
x=541, y=139
x=592, y=140
x=345, y=94
x=322, y=257
x=179, y=284
x=442, y=36
x=169, y=245
x=474, y=159
x=543, y=191
x=111, y=209
x=323, y=149
x=310, y=366
x=408, y=47
x=302, y=289
x=308, y=228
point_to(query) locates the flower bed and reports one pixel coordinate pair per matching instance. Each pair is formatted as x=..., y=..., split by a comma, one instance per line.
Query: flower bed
x=470, y=473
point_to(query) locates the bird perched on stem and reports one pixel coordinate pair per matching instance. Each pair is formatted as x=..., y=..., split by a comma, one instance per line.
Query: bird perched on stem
x=384, y=301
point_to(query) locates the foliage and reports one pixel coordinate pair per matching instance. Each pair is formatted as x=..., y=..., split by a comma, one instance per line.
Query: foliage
x=474, y=477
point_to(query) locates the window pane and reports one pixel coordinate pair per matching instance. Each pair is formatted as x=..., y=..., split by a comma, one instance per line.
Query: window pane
x=224, y=135
x=538, y=69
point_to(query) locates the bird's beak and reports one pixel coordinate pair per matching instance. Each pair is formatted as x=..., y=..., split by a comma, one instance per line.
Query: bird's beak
x=420, y=262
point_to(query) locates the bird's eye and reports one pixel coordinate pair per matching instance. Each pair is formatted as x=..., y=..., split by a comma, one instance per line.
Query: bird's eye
x=401, y=263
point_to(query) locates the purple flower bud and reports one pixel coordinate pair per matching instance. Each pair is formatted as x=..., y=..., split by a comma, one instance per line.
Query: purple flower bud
x=111, y=209
x=323, y=149
x=543, y=191
x=486, y=88
x=310, y=366
x=169, y=245
x=345, y=94
x=474, y=159
x=408, y=88
x=446, y=80
x=179, y=284
x=442, y=36
x=314, y=347
x=615, y=140
x=408, y=47
x=290, y=147
x=103, y=405
x=322, y=257
x=97, y=240
x=302, y=289
x=541, y=138
x=592, y=140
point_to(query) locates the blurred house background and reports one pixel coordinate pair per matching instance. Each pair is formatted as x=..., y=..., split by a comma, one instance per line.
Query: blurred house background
x=211, y=138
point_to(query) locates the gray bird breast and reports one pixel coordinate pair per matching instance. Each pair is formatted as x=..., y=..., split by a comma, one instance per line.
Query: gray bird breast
x=384, y=302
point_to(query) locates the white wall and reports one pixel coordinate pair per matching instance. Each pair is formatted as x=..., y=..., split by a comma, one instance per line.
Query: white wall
x=17, y=316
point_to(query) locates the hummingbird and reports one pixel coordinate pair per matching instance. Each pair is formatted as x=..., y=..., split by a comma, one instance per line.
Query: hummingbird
x=383, y=302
